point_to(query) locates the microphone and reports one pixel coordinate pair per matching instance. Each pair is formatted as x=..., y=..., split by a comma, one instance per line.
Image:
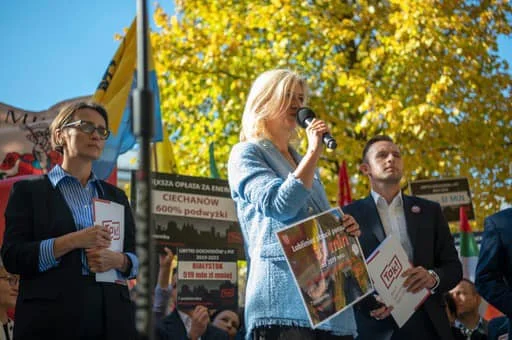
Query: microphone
x=305, y=116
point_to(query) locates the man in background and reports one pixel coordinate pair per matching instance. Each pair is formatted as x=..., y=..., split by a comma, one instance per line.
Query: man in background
x=469, y=321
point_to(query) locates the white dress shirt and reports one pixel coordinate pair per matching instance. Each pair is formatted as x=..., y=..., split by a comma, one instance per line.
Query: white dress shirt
x=392, y=217
x=6, y=332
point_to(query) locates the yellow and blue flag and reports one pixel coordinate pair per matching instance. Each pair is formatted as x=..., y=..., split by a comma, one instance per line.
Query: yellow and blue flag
x=164, y=160
x=114, y=93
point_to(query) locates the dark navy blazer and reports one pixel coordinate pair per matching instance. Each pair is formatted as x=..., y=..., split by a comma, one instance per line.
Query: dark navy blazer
x=494, y=268
x=433, y=249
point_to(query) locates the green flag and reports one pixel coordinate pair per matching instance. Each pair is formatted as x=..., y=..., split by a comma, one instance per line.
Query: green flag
x=214, y=173
x=468, y=247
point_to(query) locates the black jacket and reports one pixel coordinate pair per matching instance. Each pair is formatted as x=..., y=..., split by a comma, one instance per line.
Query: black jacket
x=172, y=328
x=433, y=249
x=50, y=303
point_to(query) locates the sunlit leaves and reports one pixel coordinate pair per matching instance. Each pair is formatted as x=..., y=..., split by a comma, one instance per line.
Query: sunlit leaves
x=425, y=72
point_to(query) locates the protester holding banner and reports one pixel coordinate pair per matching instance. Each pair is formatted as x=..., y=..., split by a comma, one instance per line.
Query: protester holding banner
x=50, y=240
x=164, y=290
x=273, y=187
x=181, y=324
x=423, y=232
x=189, y=324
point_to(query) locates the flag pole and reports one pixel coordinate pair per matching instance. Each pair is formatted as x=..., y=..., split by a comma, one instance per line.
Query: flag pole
x=142, y=103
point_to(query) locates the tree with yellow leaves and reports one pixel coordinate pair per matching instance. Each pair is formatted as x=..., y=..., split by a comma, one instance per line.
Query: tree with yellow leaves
x=425, y=72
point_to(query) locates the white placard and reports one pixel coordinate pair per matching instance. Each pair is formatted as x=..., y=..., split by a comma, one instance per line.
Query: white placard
x=111, y=215
x=386, y=266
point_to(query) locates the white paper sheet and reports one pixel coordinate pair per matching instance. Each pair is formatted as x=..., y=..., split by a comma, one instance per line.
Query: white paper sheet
x=110, y=215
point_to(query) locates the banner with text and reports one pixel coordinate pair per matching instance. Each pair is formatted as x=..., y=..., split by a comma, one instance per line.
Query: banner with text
x=450, y=193
x=194, y=212
x=327, y=264
x=207, y=277
x=25, y=147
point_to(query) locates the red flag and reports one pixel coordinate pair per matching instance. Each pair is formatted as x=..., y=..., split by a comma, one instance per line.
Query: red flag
x=5, y=189
x=491, y=312
x=344, y=195
x=112, y=179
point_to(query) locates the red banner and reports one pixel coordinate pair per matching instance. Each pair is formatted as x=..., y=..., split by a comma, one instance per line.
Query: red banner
x=5, y=189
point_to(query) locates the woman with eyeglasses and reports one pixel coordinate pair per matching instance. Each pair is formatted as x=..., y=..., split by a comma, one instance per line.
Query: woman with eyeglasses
x=52, y=243
x=8, y=295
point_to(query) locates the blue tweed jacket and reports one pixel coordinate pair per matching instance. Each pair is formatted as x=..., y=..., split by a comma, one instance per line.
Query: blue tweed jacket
x=268, y=197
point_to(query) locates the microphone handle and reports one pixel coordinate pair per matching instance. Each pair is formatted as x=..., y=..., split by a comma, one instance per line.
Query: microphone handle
x=328, y=140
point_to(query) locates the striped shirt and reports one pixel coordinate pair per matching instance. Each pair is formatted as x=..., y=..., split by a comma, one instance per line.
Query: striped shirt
x=80, y=201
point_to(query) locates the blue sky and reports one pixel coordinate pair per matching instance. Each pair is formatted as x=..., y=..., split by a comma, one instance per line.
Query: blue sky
x=52, y=50
x=59, y=49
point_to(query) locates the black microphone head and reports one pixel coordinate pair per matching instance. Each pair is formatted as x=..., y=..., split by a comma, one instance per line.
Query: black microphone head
x=331, y=144
x=303, y=114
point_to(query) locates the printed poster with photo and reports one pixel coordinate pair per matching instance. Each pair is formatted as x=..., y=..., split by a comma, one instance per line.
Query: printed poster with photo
x=327, y=264
x=207, y=277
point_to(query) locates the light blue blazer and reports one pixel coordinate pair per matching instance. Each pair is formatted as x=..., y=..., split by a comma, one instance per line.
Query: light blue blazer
x=268, y=198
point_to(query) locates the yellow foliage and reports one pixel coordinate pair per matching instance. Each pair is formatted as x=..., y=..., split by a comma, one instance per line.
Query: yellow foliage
x=422, y=71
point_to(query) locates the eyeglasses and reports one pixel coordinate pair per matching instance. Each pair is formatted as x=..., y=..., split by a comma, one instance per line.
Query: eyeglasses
x=13, y=280
x=89, y=128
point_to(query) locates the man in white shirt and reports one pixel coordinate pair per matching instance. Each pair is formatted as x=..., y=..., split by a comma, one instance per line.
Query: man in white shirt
x=424, y=234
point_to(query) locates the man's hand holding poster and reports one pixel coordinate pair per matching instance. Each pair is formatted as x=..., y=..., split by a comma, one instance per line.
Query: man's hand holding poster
x=327, y=264
x=386, y=266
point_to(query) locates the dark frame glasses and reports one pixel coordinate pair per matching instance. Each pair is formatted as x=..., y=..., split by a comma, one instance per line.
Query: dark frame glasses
x=89, y=128
x=13, y=280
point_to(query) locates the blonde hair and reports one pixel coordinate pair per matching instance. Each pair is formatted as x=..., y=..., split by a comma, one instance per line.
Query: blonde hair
x=270, y=94
x=65, y=116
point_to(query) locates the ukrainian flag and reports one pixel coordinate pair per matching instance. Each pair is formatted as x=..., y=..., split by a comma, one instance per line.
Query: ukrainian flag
x=163, y=158
x=114, y=92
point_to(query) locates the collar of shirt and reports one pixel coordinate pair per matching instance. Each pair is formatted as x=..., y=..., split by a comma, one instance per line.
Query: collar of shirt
x=381, y=201
x=57, y=174
x=468, y=331
x=392, y=217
